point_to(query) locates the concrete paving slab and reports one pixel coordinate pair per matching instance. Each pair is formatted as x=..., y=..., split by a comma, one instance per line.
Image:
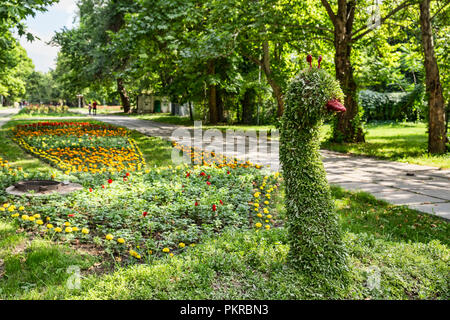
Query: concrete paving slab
x=439, y=209
x=402, y=197
x=367, y=187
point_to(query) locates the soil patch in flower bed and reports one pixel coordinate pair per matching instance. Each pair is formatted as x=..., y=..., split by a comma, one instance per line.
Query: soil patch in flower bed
x=42, y=187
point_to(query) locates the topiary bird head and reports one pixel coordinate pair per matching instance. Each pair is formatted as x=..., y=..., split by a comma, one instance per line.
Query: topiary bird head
x=312, y=97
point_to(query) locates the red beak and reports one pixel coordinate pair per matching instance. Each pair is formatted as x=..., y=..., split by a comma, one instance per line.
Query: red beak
x=335, y=105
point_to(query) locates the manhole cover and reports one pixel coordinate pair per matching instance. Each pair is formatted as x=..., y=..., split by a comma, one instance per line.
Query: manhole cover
x=42, y=187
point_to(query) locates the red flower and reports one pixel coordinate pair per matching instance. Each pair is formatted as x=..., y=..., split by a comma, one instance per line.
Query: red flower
x=90, y=189
x=202, y=174
x=196, y=203
x=110, y=181
x=214, y=207
x=208, y=183
x=144, y=213
x=127, y=174
x=228, y=172
x=187, y=175
x=221, y=202
x=71, y=215
x=125, y=179
x=103, y=186
x=208, y=177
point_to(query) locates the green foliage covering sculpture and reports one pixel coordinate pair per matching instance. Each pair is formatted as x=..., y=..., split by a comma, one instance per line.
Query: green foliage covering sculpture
x=316, y=246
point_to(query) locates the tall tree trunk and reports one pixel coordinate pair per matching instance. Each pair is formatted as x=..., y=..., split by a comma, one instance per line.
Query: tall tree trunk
x=219, y=104
x=212, y=102
x=348, y=128
x=124, y=98
x=276, y=89
x=191, y=113
x=248, y=101
x=436, y=122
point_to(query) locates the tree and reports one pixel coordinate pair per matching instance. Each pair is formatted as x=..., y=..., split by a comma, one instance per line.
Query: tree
x=348, y=127
x=13, y=12
x=436, y=121
x=88, y=50
x=15, y=67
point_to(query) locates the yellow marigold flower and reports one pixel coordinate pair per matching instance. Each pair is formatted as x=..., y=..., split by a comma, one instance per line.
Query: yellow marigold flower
x=68, y=230
x=259, y=215
x=256, y=209
x=2, y=209
x=181, y=245
x=21, y=208
x=37, y=215
x=256, y=204
x=266, y=210
x=85, y=231
x=40, y=222
x=267, y=227
x=192, y=245
x=171, y=254
x=166, y=250
x=133, y=253
x=31, y=218
x=121, y=240
x=67, y=224
x=11, y=208
x=75, y=229
x=15, y=215
x=109, y=236
x=6, y=205
x=256, y=195
x=266, y=202
x=58, y=229
x=138, y=256
x=269, y=216
x=49, y=226
x=258, y=225
x=48, y=218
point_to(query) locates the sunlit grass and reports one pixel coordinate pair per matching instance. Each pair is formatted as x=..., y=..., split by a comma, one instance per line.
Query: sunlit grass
x=404, y=142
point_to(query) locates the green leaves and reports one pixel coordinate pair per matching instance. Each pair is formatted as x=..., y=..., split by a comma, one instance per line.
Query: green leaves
x=315, y=239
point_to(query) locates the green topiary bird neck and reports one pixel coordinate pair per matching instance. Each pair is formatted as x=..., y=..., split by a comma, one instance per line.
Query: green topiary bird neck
x=314, y=234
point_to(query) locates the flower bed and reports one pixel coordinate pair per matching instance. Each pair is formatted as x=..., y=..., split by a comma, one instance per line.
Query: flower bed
x=80, y=146
x=134, y=214
x=153, y=212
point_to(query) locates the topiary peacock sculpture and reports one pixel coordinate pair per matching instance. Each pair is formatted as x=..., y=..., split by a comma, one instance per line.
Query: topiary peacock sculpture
x=315, y=239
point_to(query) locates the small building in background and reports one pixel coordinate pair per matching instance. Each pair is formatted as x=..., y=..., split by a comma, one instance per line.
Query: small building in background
x=148, y=103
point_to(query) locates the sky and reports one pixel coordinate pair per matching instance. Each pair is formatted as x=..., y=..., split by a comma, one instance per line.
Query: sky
x=44, y=25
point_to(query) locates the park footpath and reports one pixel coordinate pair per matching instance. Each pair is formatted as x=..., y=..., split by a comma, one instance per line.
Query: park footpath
x=423, y=188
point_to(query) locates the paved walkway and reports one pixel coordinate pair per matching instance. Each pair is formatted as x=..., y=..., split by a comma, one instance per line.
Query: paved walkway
x=423, y=188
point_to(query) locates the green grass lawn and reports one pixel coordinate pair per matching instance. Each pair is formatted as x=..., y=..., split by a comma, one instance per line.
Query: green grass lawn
x=406, y=250
x=45, y=115
x=404, y=142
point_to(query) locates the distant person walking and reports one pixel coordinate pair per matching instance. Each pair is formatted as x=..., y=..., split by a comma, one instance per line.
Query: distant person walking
x=90, y=108
x=94, y=108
